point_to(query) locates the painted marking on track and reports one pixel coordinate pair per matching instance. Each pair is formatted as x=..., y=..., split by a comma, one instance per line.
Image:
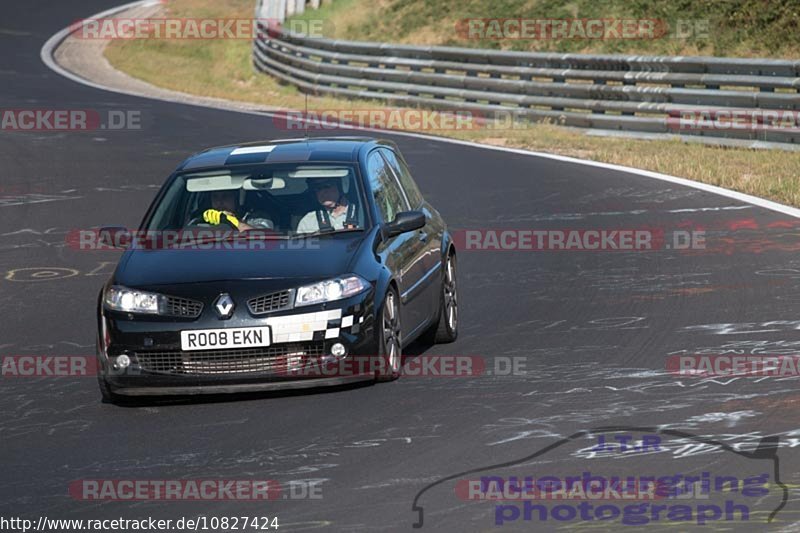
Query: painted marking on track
x=31, y=274
x=48, y=273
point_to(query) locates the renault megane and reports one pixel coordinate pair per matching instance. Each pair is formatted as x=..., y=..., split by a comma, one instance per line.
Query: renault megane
x=257, y=262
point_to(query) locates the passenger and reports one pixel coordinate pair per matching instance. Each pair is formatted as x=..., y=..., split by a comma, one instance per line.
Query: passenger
x=334, y=212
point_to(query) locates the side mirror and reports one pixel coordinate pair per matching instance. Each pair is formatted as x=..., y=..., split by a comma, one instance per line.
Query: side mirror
x=404, y=222
x=115, y=237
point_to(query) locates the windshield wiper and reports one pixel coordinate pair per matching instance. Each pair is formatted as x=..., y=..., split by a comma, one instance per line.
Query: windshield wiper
x=326, y=232
x=258, y=232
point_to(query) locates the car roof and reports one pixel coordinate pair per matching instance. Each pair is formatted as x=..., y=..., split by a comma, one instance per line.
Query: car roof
x=341, y=149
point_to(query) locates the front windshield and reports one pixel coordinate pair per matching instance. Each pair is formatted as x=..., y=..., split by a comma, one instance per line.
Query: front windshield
x=286, y=200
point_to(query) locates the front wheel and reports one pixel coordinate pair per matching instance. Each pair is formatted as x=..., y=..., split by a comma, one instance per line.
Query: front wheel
x=389, y=339
x=445, y=329
x=106, y=394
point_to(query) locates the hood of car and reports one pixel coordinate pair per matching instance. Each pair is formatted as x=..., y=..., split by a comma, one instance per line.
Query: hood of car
x=305, y=259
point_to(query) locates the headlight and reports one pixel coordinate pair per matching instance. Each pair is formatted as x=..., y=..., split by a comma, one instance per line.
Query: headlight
x=119, y=298
x=330, y=290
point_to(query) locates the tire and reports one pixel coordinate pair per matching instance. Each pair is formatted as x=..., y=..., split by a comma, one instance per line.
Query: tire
x=105, y=391
x=389, y=338
x=445, y=329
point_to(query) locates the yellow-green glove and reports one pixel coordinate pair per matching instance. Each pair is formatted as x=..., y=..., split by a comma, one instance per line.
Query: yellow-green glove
x=213, y=216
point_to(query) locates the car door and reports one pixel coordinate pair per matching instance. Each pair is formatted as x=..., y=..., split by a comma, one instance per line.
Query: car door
x=404, y=253
x=430, y=235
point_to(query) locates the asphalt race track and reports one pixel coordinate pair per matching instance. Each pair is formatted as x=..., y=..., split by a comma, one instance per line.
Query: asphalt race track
x=594, y=332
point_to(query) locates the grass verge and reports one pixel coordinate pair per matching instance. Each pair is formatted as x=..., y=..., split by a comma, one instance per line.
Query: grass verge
x=739, y=28
x=223, y=68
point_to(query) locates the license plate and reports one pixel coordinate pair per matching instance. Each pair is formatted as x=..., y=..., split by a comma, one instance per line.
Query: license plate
x=216, y=339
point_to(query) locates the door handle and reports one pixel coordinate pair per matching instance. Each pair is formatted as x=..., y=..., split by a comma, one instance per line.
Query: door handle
x=423, y=236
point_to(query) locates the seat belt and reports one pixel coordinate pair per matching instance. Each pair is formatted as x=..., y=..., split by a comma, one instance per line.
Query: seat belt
x=324, y=220
x=351, y=222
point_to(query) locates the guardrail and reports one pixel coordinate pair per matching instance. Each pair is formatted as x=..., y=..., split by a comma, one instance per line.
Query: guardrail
x=756, y=99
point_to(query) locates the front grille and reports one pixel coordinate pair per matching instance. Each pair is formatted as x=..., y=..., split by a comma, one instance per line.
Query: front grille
x=239, y=361
x=182, y=307
x=269, y=302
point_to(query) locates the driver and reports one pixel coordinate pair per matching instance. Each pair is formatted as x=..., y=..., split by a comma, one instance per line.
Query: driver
x=225, y=208
x=334, y=212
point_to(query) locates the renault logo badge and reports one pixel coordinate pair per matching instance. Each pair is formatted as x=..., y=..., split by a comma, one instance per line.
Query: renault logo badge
x=224, y=306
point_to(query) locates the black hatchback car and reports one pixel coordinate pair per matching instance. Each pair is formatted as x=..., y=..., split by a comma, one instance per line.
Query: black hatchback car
x=272, y=265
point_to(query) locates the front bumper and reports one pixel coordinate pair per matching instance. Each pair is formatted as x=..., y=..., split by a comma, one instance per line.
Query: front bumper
x=299, y=337
x=232, y=388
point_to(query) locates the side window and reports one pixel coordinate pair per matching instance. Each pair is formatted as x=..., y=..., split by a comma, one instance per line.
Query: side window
x=388, y=196
x=402, y=172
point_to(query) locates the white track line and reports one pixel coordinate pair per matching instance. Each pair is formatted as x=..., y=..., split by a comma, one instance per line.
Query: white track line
x=50, y=46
